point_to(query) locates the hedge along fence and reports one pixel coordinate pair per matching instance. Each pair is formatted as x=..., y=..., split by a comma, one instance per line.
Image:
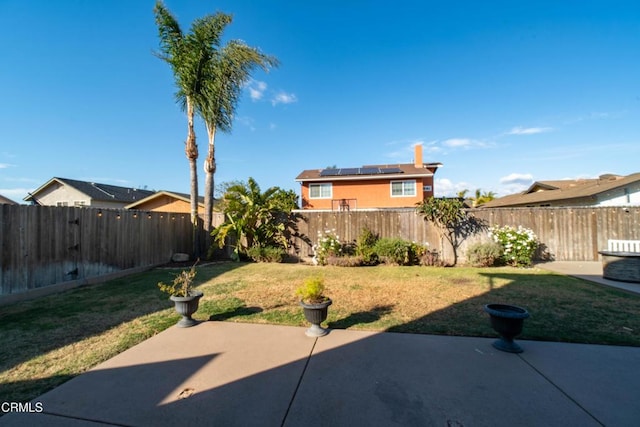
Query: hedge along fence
x=565, y=234
x=45, y=245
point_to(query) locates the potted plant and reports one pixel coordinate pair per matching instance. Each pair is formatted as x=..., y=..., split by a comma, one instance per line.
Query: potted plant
x=314, y=305
x=185, y=298
x=507, y=321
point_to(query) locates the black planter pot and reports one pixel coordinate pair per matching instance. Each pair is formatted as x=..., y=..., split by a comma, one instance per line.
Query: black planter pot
x=316, y=314
x=186, y=306
x=507, y=321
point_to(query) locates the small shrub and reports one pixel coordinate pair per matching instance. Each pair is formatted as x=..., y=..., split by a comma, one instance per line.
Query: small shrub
x=182, y=285
x=394, y=251
x=519, y=245
x=365, y=247
x=328, y=245
x=312, y=289
x=484, y=254
x=431, y=259
x=420, y=254
x=348, y=249
x=266, y=254
x=346, y=261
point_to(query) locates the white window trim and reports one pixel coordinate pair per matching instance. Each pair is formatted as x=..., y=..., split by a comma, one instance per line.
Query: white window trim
x=404, y=182
x=321, y=185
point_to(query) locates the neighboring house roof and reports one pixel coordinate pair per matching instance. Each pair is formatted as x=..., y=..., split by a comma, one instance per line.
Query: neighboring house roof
x=6, y=201
x=369, y=172
x=543, y=192
x=178, y=196
x=96, y=191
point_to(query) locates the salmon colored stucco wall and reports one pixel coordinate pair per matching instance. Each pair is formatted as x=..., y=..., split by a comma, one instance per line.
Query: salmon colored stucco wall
x=367, y=194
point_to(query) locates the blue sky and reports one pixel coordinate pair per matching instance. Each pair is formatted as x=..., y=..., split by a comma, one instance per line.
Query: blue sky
x=502, y=93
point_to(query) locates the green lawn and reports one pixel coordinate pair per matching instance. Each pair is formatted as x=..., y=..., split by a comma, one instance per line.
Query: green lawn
x=49, y=340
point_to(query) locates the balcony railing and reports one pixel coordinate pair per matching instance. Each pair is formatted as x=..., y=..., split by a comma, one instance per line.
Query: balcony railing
x=344, y=204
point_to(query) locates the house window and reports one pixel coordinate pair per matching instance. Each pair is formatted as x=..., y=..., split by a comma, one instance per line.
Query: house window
x=426, y=188
x=403, y=188
x=79, y=203
x=320, y=191
x=59, y=204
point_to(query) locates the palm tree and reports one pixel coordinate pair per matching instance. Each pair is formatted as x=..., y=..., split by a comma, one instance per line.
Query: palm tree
x=189, y=56
x=228, y=71
x=482, y=198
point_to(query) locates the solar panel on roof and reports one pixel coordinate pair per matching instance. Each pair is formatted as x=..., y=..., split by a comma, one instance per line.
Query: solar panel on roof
x=369, y=171
x=330, y=172
x=390, y=170
x=358, y=171
x=349, y=171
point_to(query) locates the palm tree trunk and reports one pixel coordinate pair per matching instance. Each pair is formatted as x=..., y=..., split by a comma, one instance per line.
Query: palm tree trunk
x=209, y=170
x=191, y=151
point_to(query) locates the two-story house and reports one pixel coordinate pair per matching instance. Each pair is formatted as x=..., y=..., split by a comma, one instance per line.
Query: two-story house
x=368, y=187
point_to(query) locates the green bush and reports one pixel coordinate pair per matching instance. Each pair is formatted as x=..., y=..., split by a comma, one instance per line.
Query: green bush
x=365, y=246
x=518, y=244
x=393, y=250
x=328, y=245
x=422, y=255
x=484, y=254
x=266, y=254
x=312, y=289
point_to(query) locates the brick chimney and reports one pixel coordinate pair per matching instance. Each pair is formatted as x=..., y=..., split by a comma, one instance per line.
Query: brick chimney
x=417, y=157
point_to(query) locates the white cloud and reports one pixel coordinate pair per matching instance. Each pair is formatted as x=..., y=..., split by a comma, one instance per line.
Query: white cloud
x=5, y=165
x=518, y=130
x=256, y=89
x=603, y=115
x=514, y=183
x=465, y=143
x=443, y=187
x=431, y=147
x=399, y=154
x=457, y=142
x=405, y=153
x=284, y=98
x=246, y=121
x=517, y=178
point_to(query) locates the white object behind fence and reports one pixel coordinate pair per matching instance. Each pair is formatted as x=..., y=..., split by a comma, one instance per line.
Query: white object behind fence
x=624, y=245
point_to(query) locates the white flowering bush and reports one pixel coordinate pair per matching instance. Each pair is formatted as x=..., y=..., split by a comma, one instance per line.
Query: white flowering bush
x=328, y=245
x=518, y=244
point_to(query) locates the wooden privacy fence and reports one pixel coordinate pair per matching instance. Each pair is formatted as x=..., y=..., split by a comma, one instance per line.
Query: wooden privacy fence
x=44, y=245
x=41, y=246
x=566, y=234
